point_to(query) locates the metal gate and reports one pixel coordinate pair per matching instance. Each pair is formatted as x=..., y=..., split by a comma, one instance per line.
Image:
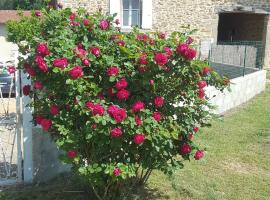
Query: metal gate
x=10, y=121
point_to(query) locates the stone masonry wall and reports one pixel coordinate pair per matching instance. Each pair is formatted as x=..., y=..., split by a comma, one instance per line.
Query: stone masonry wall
x=171, y=15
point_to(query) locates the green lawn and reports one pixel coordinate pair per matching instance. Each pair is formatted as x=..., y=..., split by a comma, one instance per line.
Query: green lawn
x=236, y=165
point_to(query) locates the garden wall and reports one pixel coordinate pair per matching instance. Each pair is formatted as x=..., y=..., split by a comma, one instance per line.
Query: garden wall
x=242, y=90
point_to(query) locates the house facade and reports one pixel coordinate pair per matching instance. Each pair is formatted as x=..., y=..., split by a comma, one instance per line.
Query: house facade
x=215, y=20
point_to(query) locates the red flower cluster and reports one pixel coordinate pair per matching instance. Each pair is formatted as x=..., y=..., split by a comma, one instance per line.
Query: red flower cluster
x=118, y=114
x=97, y=109
x=42, y=50
x=185, y=149
x=161, y=59
x=139, y=138
x=54, y=109
x=42, y=65
x=185, y=51
x=137, y=106
x=38, y=85
x=76, y=72
x=60, y=62
x=112, y=71
x=116, y=132
x=159, y=101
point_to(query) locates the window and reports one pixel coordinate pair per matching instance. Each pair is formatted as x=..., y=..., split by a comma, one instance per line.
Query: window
x=131, y=13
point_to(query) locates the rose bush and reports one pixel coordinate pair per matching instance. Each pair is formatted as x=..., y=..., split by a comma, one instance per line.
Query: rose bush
x=120, y=105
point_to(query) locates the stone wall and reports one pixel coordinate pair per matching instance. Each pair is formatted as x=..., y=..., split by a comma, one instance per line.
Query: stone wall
x=171, y=15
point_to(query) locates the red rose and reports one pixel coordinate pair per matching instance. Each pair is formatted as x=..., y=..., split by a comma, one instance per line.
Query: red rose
x=95, y=51
x=190, y=136
x=120, y=43
x=189, y=40
x=152, y=42
x=94, y=126
x=205, y=71
x=138, y=120
x=46, y=124
x=142, y=37
x=199, y=154
x=118, y=114
x=137, y=106
x=168, y=51
x=72, y=153
x=86, y=62
x=60, y=62
x=201, y=84
x=159, y=101
x=185, y=149
x=116, y=172
x=162, y=35
x=139, y=138
x=152, y=82
x=76, y=72
x=143, y=59
x=121, y=84
x=29, y=70
x=104, y=24
x=112, y=71
x=38, y=14
x=181, y=49
x=38, y=85
x=72, y=16
x=89, y=105
x=42, y=49
x=122, y=94
x=98, y=110
x=190, y=54
x=161, y=59
x=157, y=116
x=116, y=132
x=39, y=118
x=11, y=69
x=117, y=21
x=86, y=22
x=26, y=90
x=42, y=65
x=80, y=52
x=196, y=129
x=54, y=110
x=201, y=94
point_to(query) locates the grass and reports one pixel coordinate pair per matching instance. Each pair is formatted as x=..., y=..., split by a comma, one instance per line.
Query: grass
x=236, y=165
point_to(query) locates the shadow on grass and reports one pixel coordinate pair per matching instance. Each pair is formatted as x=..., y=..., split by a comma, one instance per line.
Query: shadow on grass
x=68, y=187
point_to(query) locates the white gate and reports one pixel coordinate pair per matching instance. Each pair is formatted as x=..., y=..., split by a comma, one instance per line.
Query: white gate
x=15, y=125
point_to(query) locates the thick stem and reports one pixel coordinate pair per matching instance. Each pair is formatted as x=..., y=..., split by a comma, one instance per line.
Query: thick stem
x=96, y=193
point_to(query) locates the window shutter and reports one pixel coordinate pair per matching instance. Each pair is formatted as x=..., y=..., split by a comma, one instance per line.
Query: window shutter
x=115, y=7
x=147, y=14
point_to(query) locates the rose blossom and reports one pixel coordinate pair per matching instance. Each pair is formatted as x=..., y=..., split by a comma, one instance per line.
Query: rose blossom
x=205, y=71
x=72, y=16
x=38, y=85
x=39, y=118
x=116, y=132
x=72, y=153
x=121, y=84
x=159, y=101
x=104, y=24
x=190, y=136
x=143, y=59
x=185, y=149
x=152, y=82
x=181, y=49
x=162, y=35
x=201, y=84
x=196, y=129
x=95, y=51
x=118, y=114
x=46, y=124
x=76, y=72
x=190, y=54
x=117, y=172
x=138, y=120
x=60, y=62
x=112, y=71
x=98, y=110
x=26, y=90
x=94, y=126
x=38, y=13
x=157, y=116
x=86, y=22
x=54, y=110
x=142, y=37
x=42, y=65
x=86, y=62
x=201, y=93
x=89, y=105
x=199, y=154
x=117, y=21
x=42, y=49
x=139, y=138
x=29, y=70
x=123, y=94
x=120, y=43
x=189, y=40
x=168, y=51
x=161, y=59
x=137, y=106
x=11, y=69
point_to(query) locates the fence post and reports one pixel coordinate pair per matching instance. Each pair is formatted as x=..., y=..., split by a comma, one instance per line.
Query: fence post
x=245, y=56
